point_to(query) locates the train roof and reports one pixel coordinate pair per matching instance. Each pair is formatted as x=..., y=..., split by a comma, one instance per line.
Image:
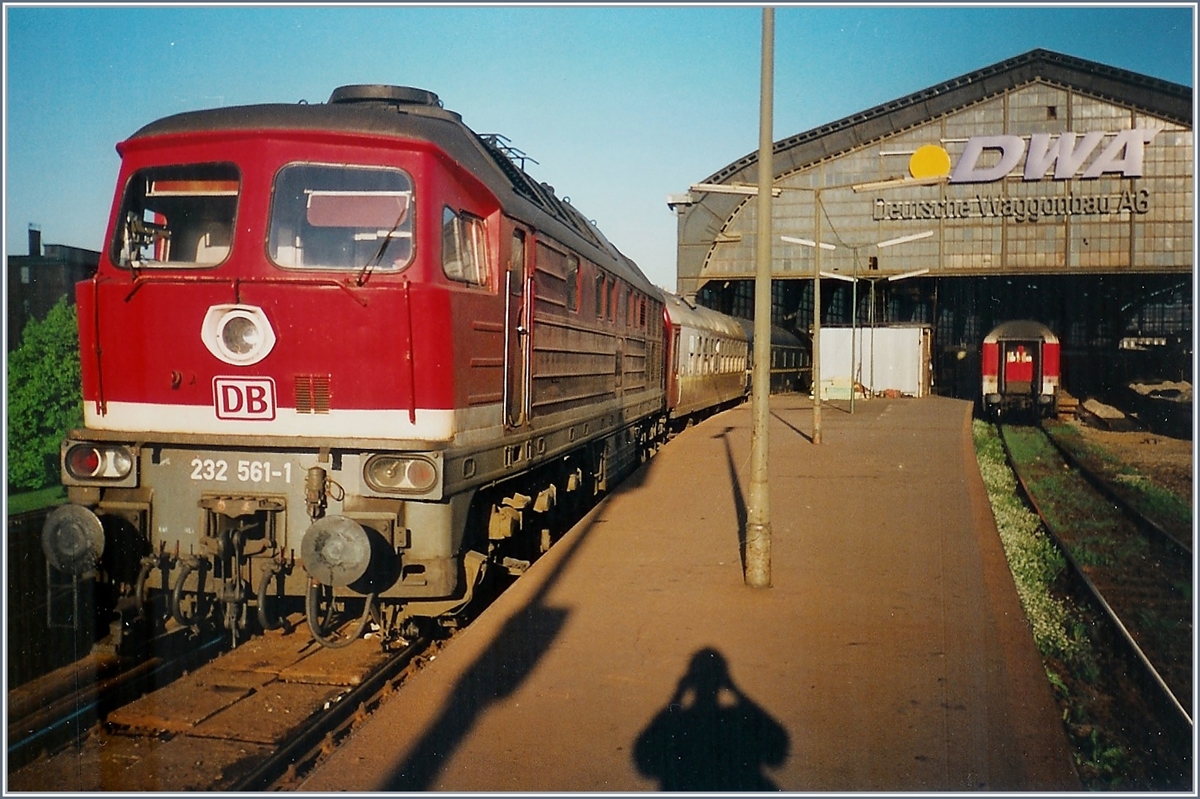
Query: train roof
x=410, y=113
x=682, y=312
x=1021, y=329
x=780, y=337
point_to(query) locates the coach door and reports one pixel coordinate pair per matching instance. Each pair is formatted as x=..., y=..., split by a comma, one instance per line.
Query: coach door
x=1019, y=366
x=516, y=352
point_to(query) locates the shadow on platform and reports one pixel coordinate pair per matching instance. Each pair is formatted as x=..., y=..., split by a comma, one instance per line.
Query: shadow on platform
x=711, y=736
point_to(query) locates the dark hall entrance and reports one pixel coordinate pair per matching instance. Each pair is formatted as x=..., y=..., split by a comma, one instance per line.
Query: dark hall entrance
x=1114, y=328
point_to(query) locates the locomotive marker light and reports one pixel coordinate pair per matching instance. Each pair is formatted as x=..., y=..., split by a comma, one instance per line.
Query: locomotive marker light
x=94, y=464
x=239, y=335
x=400, y=474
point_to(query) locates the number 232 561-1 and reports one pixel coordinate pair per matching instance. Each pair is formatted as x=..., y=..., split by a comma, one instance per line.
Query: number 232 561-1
x=246, y=471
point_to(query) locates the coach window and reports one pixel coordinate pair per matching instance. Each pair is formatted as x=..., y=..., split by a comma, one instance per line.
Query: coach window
x=600, y=296
x=327, y=216
x=572, y=282
x=464, y=250
x=177, y=216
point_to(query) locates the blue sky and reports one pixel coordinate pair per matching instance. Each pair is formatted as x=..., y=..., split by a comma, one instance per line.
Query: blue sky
x=619, y=105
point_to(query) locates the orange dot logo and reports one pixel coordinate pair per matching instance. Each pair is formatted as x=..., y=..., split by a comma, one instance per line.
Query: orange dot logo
x=929, y=161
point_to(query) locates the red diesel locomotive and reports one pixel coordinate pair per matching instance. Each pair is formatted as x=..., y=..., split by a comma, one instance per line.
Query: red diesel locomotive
x=1020, y=365
x=348, y=355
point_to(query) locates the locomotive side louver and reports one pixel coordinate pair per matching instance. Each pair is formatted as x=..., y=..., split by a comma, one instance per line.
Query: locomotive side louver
x=312, y=393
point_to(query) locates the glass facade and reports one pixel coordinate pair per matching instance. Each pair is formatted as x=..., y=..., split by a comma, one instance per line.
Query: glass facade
x=1038, y=202
x=1044, y=215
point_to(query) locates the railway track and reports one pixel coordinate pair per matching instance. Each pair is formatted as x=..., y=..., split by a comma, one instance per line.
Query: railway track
x=242, y=721
x=192, y=713
x=1170, y=523
x=1132, y=573
x=189, y=713
x=51, y=711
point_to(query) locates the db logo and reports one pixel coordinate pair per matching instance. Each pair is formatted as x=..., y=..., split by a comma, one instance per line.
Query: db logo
x=244, y=398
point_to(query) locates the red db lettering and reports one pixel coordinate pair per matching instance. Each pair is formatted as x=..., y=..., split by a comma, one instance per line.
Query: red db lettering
x=244, y=398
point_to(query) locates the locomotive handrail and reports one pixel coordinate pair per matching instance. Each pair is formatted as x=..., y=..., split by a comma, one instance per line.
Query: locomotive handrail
x=235, y=283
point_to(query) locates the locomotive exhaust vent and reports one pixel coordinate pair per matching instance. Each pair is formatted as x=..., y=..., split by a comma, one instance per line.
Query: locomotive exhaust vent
x=312, y=393
x=389, y=95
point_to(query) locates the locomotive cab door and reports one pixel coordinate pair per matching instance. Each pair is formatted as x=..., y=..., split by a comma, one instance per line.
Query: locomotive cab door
x=1020, y=367
x=517, y=324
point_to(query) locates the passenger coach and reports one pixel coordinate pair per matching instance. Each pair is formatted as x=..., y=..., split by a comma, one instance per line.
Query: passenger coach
x=1020, y=365
x=707, y=357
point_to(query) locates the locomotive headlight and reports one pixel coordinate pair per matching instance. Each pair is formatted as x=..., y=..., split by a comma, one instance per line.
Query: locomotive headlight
x=400, y=474
x=237, y=334
x=87, y=463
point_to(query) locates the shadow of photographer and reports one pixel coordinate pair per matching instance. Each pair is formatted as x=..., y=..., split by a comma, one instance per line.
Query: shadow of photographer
x=711, y=736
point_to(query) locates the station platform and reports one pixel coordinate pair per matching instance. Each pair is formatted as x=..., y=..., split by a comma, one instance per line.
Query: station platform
x=890, y=654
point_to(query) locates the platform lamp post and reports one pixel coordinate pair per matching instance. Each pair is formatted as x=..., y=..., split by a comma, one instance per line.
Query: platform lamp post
x=757, y=564
x=853, y=279
x=834, y=275
x=757, y=572
x=817, y=245
x=889, y=278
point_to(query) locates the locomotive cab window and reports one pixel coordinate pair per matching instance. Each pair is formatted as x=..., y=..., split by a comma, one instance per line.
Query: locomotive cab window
x=177, y=217
x=464, y=248
x=341, y=217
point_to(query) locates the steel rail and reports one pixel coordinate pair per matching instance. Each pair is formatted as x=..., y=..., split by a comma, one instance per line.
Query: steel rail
x=1104, y=487
x=1175, y=713
x=48, y=722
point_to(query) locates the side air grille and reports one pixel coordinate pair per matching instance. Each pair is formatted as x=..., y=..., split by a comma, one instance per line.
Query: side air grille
x=312, y=393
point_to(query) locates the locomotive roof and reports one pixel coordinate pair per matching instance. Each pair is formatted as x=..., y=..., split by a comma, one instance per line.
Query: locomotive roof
x=404, y=112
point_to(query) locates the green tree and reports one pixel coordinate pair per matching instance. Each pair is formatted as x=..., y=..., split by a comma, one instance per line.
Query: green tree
x=44, y=399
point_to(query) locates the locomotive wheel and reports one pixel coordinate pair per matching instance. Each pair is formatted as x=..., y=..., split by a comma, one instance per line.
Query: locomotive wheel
x=328, y=614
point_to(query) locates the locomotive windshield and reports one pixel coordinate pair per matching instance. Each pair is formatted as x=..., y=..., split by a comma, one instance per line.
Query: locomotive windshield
x=341, y=217
x=177, y=216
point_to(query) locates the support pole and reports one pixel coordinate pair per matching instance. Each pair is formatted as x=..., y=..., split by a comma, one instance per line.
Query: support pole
x=758, y=511
x=853, y=328
x=816, y=326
